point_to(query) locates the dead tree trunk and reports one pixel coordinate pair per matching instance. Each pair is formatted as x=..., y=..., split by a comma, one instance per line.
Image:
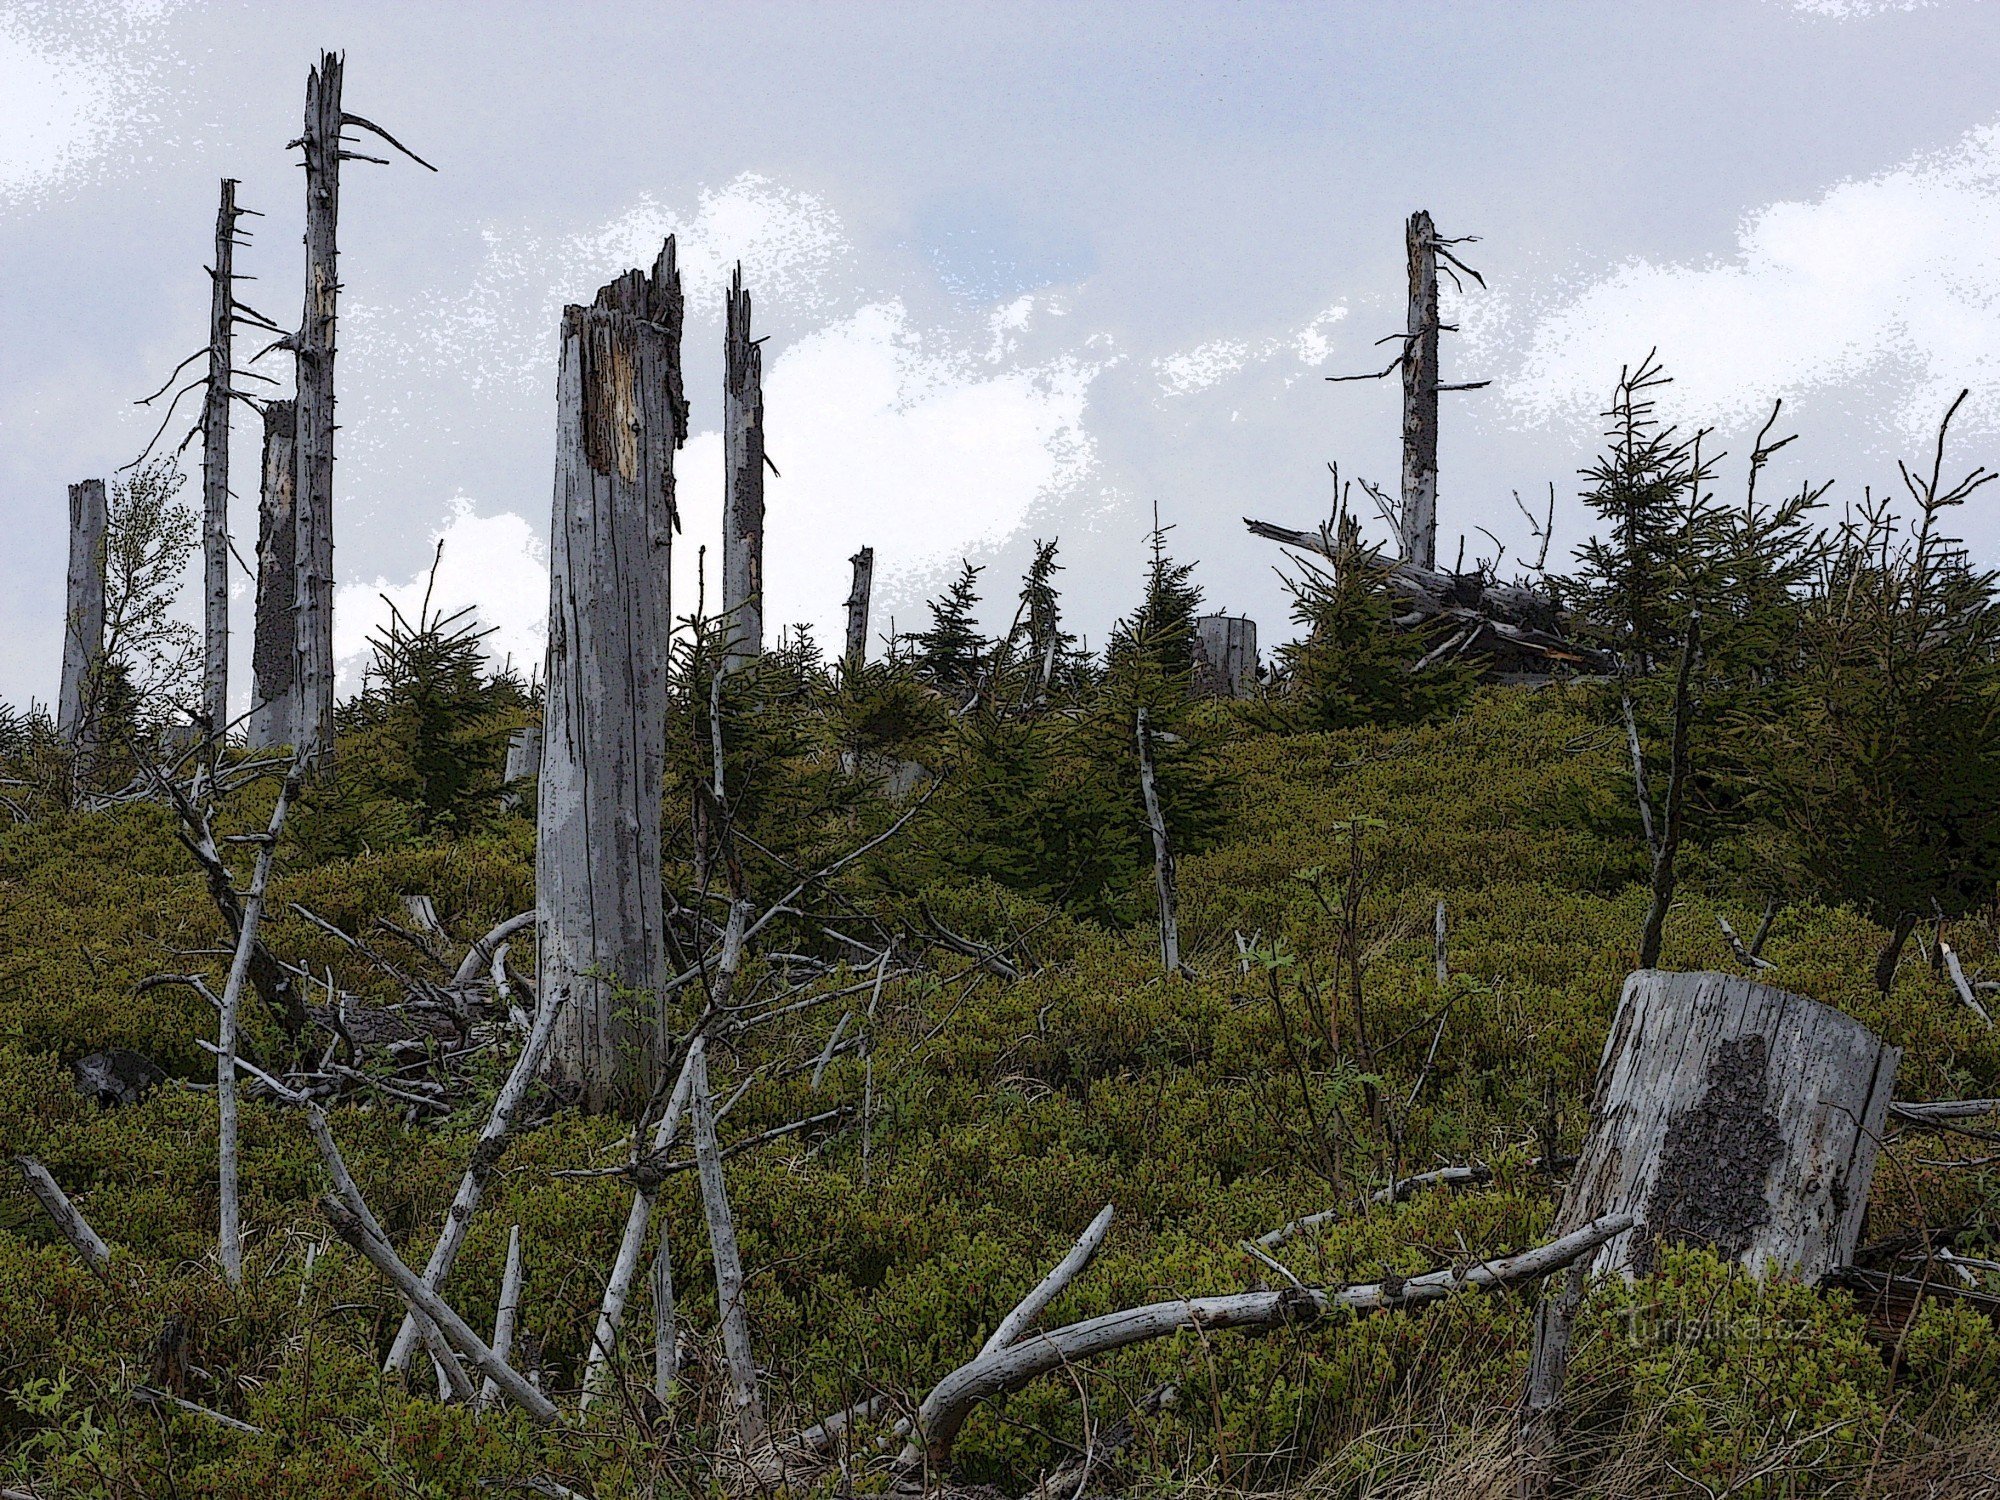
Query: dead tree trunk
x=274, y=648
x=83, y=620
x=1733, y=1115
x=215, y=468
x=1420, y=396
x=620, y=416
x=1163, y=855
x=743, y=468
x=857, y=608
x=313, y=346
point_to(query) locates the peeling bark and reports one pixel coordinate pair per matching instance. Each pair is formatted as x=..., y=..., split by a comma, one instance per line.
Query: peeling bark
x=1420, y=396
x=1734, y=1115
x=620, y=416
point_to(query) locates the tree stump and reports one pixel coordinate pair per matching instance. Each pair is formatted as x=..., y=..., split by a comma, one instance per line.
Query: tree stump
x=621, y=413
x=83, y=618
x=1734, y=1115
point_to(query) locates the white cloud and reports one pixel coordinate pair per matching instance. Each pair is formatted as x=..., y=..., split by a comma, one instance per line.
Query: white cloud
x=1190, y=371
x=888, y=436
x=1854, y=10
x=496, y=565
x=1889, y=286
x=74, y=83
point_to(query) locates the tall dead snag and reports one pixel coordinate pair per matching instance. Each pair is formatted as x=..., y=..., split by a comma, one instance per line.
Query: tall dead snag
x=215, y=467
x=1416, y=519
x=620, y=416
x=1163, y=854
x=274, y=648
x=83, y=618
x=857, y=609
x=313, y=347
x=743, y=468
x=1734, y=1115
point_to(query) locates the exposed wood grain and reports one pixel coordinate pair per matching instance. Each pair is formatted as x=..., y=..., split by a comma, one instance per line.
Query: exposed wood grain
x=1736, y=1115
x=620, y=416
x=83, y=618
x=313, y=349
x=274, y=646
x=856, y=654
x=63, y=1214
x=1420, y=395
x=215, y=466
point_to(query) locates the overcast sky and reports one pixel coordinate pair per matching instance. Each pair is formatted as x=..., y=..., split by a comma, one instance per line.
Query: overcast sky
x=1026, y=270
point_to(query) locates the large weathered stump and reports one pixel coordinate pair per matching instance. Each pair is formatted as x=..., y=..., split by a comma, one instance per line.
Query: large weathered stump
x=1734, y=1115
x=621, y=414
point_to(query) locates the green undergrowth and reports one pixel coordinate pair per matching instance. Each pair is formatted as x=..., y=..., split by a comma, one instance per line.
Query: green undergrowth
x=1001, y=1115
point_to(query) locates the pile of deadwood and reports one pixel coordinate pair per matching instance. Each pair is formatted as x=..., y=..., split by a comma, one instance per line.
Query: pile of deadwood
x=1727, y=1113
x=1514, y=631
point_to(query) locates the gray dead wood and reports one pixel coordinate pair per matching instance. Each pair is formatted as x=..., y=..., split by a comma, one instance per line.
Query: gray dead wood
x=1539, y=1423
x=524, y=754
x=215, y=467
x=150, y=1396
x=229, y=1238
x=732, y=1310
x=625, y=1264
x=1960, y=983
x=480, y=955
x=1163, y=854
x=1734, y=1115
x=1225, y=656
x=1917, y=1113
x=743, y=478
x=83, y=617
x=1051, y=1286
x=1420, y=395
x=1666, y=850
x=856, y=655
x=943, y=1412
x=1439, y=954
x=1738, y=951
x=63, y=1214
x=485, y=1156
x=313, y=350
x=456, y=1332
x=274, y=645
x=507, y=1315
x=620, y=416
x=825, y=1434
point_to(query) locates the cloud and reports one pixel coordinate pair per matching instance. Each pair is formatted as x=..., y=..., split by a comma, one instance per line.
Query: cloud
x=1888, y=285
x=1854, y=10
x=496, y=565
x=908, y=440
x=75, y=84
x=1189, y=371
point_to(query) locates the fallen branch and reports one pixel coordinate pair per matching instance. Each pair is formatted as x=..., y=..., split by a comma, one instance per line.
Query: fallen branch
x=1959, y=982
x=944, y=1411
x=152, y=1397
x=1475, y=1175
x=1051, y=1286
x=485, y=1154
x=376, y=1251
x=507, y=1314
x=1744, y=955
x=480, y=954
x=71, y=1224
x=730, y=1306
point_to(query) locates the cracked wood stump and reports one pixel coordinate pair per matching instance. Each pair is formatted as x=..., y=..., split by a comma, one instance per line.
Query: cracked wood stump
x=1734, y=1115
x=621, y=414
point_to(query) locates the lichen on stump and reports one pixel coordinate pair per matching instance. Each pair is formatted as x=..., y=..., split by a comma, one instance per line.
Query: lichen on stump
x=1733, y=1115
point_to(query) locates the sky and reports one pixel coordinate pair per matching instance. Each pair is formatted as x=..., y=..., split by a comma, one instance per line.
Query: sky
x=1026, y=270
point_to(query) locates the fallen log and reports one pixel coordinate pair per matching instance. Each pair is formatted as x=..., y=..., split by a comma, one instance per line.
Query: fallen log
x=63, y=1214
x=943, y=1412
x=1733, y=1115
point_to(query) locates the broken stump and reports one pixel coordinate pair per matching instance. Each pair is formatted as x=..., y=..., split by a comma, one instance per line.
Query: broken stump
x=1734, y=1115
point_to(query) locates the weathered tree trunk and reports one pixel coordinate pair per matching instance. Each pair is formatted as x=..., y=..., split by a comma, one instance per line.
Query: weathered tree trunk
x=1163, y=855
x=731, y=1309
x=524, y=753
x=1539, y=1423
x=215, y=468
x=743, y=469
x=314, y=347
x=1420, y=397
x=1225, y=664
x=1733, y=1115
x=1667, y=849
x=620, y=416
x=274, y=649
x=857, y=608
x=83, y=620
